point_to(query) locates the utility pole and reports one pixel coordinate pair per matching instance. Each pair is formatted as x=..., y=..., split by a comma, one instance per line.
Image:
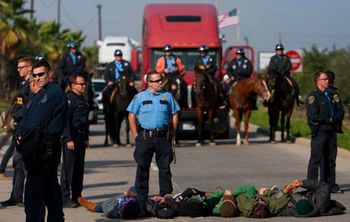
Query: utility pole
x=99, y=22
x=58, y=11
x=31, y=9
x=246, y=40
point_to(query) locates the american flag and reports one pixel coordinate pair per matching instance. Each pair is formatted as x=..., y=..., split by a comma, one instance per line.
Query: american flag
x=230, y=18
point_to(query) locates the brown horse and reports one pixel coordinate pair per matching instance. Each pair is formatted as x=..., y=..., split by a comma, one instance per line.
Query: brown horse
x=206, y=98
x=242, y=95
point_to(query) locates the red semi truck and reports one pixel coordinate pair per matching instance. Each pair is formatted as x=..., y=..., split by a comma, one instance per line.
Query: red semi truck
x=185, y=27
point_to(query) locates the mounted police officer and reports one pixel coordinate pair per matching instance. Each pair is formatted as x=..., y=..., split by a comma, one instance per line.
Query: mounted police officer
x=75, y=141
x=38, y=139
x=156, y=112
x=112, y=74
x=171, y=68
x=169, y=63
x=71, y=62
x=206, y=64
x=22, y=98
x=323, y=112
x=281, y=65
x=239, y=68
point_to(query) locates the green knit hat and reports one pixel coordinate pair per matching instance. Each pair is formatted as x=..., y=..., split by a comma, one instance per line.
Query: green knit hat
x=304, y=207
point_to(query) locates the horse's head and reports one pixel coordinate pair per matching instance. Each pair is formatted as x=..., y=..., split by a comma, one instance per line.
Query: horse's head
x=271, y=80
x=261, y=88
x=124, y=83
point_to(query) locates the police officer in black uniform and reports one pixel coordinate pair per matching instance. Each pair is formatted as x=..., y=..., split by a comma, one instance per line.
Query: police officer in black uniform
x=323, y=112
x=280, y=64
x=38, y=140
x=22, y=98
x=75, y=141
x=112, y=74
x=238, y=69
x=157, y=114
x=71, y=62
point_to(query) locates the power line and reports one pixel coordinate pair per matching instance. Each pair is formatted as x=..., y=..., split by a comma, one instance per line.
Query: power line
x=44, y=3
x=71, y=20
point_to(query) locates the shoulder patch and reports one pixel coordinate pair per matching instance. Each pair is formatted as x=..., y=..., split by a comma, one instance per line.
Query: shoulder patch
x=311, y=99
x=336, y=98
x=44, y=99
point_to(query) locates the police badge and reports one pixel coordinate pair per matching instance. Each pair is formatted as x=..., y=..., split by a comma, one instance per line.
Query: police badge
x=311, y=99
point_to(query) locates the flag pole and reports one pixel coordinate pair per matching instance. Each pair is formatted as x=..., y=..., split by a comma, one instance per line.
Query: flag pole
x=238, y=29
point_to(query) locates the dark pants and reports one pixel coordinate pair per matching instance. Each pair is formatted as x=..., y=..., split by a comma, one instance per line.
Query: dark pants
x=323, y=157
x=143, y=154
x=41, y=187
x=18, y=178
x=7, y=156
x=72, y=173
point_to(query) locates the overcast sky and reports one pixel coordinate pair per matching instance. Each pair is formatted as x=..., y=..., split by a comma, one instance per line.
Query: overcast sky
x=299, y=23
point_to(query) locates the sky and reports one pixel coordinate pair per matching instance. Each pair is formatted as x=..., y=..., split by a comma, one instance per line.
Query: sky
x=299, y=23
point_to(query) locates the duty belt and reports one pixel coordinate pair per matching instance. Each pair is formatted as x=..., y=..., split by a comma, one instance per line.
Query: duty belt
x=158, y=132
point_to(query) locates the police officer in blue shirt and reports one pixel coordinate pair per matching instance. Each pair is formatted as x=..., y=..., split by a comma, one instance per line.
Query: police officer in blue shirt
x=38, y=140
x=153, y=113
x=71, y=62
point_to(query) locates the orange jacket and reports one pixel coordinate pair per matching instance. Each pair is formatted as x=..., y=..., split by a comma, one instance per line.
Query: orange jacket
x=161, y=64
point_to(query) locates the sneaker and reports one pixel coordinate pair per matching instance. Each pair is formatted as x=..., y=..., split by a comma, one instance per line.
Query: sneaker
x=91, y=206
x=10, y=202
x=4, y=177
x=70, y=204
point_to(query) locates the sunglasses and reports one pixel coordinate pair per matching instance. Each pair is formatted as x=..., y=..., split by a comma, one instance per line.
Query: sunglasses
x=82, y=84
x=157, y=80
x=40, y=74
x=323, y=79
x=21, y=67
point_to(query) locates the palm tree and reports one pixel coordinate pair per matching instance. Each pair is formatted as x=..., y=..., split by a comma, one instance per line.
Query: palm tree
x=13, y=30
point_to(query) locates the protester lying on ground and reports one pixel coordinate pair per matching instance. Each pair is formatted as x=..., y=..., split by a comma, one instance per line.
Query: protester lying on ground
x=301, y=198
x=128, y=205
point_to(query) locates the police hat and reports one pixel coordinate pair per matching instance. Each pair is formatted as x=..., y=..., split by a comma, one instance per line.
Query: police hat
x=70, y=44
x=240, y=51
x=118, y=52
x=279, y=47
x=203, y=48
x=168, y=48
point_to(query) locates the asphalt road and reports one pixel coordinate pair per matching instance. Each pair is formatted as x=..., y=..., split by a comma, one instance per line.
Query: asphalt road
x=111, y=170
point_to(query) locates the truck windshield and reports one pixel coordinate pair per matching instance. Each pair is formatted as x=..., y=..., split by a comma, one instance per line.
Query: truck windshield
x=187, y=56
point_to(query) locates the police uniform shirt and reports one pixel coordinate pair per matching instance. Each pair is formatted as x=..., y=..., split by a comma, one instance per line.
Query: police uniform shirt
x=153, y=110
x=280, y=64
x=208, y=62
x=22, y=98
x=46, y=109
x=111, y=70
x=240, y=69
x=319, y=109
x=78, y=116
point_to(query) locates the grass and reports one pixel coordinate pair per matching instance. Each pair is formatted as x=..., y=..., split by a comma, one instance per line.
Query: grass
x=299, y=127
x=3, y=106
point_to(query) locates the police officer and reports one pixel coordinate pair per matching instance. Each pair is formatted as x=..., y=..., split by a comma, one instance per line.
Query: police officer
x=157, y=113
x=332, y=90
x=118, y=66
x=169, y=63
x=239, y=68
x=71, y=62
x=322, y=114
x=38, y=140
x=280, y=64
x=22, y=98
x=206, y=64
x=75, y=141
